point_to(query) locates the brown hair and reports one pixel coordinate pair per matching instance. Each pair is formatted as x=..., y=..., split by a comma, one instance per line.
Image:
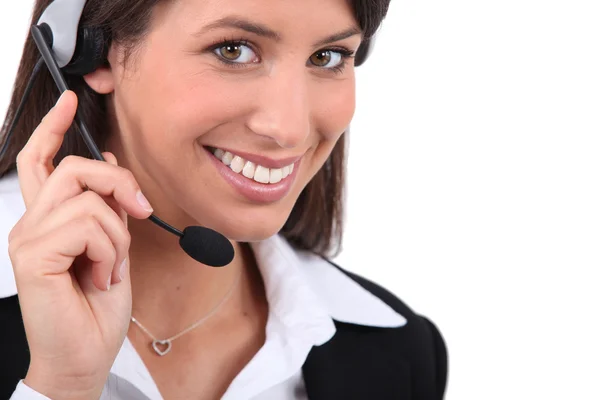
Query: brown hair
x=315, y=222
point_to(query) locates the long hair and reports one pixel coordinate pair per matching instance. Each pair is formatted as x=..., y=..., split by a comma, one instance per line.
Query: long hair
x=316, y=221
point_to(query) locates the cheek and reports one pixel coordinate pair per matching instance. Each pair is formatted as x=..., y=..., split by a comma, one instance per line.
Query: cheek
x=334, y=110
x=193, y=105
x=170, y=108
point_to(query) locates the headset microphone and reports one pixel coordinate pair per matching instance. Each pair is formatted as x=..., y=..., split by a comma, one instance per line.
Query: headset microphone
x=202, y=244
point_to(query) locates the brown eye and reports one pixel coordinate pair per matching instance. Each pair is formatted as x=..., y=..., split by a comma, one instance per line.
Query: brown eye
x=237, y=53
x=321, y=58
x=326, y=59
x=230, y=52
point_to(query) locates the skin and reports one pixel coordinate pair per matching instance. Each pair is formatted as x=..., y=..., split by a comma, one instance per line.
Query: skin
x=171, y=98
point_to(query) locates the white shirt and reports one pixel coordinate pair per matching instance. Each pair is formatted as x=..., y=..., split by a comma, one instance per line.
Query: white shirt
x=304, y=292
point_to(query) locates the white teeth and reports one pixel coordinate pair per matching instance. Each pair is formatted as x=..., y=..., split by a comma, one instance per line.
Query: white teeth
x=248, y=170
x=227, y=158
x=253, y=171
x=261, y=174
x=219, y=153
x=237, y=164
x=276, y=175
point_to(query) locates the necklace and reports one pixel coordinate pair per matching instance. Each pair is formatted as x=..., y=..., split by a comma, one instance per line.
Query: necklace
x=163, y=346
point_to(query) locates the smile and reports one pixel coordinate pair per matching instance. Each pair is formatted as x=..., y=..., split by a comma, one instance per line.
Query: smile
x=251, y=170
x=260, y=179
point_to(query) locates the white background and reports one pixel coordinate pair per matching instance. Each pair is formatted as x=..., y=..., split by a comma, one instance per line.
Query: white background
x=474, y=184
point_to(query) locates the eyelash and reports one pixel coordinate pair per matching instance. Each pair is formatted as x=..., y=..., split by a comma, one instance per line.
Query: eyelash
x=345, y=53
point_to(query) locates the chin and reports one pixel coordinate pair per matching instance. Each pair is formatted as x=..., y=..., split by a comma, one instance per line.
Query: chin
x=245, y=226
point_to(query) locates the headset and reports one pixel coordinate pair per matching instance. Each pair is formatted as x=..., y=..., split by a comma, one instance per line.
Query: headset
x=68, y=48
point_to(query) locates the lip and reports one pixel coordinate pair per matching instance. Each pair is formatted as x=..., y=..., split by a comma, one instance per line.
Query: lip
x=255, y=191
x=261, y=160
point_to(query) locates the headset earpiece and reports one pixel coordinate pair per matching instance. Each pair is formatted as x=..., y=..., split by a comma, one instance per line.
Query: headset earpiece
x=90, y=52
x=77, y=50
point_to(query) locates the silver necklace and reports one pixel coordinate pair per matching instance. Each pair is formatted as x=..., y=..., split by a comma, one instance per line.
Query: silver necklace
x=163, y=346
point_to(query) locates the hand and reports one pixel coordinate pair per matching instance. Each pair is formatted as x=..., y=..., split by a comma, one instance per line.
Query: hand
x=66, y=250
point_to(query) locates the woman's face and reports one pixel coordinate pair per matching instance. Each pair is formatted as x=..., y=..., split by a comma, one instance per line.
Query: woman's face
x=266, y=81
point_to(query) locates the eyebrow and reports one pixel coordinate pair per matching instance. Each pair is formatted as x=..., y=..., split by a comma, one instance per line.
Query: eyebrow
x=264, y=31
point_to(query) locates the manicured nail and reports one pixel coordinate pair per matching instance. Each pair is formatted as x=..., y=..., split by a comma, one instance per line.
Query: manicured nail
x=59, y=99
x=143, y=201
x=122, y=269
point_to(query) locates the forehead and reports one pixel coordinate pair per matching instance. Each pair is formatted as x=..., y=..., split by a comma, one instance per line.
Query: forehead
x=287, y=17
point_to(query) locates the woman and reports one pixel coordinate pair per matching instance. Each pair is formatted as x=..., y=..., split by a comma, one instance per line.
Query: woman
x=227, y=114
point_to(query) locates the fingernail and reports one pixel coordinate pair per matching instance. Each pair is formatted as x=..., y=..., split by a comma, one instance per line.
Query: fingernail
x=122, y=269
x=143, y=201
x=59, y=99
x=108, y=283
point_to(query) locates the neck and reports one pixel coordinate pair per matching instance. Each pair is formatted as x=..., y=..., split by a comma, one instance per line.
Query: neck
x=171, y=291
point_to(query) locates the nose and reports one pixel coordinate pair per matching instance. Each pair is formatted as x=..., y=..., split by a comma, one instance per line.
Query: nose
x=282, y=108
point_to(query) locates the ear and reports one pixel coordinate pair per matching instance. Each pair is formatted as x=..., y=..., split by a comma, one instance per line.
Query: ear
x=101, y=80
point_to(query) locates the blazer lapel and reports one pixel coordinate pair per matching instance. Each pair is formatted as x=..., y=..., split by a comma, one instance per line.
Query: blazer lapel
x=357, y=364
x=14, y=351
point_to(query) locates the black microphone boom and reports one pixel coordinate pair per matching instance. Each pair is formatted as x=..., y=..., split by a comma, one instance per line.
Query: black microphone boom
x=202, y=244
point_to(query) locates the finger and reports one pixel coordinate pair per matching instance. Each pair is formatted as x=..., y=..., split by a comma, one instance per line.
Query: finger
x=120, y=272
x=34, y=161
x=111, y=159
x=74, y=175
x=53, y=254
x=90, y=204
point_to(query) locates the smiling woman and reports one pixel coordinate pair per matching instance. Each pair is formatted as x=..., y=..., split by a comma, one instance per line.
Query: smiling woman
x=228, y=114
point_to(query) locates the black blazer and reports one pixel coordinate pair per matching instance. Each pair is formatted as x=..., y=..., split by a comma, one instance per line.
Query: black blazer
x=359, y=362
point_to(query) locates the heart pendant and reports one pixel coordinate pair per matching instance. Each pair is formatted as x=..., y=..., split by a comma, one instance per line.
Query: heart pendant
x=165, y=343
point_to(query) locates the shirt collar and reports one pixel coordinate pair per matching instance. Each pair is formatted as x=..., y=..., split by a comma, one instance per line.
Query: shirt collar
x=326, y=291
x=298, y=283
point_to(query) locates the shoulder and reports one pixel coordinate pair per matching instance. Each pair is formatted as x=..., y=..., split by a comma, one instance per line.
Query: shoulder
x=419, y=342
x=390, y=299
